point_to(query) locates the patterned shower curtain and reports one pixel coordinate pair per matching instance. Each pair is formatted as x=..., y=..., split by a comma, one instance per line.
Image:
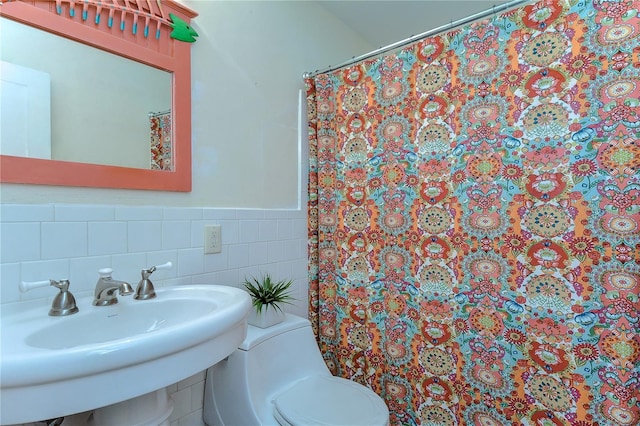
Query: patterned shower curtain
x=474, y=225
x=160, y=138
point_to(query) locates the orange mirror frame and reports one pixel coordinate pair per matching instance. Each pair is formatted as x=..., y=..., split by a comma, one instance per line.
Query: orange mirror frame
x=97, y=23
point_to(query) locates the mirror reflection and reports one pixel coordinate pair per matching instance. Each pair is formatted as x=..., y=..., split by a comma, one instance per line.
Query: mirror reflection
x=81, y=104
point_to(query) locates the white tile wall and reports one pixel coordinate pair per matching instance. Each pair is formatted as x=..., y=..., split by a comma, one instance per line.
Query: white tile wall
x=55, y=241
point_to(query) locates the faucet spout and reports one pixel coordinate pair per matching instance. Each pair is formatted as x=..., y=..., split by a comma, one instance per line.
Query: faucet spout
x=105, y=292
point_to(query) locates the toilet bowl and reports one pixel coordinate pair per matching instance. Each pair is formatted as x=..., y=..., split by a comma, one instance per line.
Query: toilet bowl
x=278, y=377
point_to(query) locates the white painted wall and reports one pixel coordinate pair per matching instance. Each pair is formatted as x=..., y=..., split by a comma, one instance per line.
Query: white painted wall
x=247, y=68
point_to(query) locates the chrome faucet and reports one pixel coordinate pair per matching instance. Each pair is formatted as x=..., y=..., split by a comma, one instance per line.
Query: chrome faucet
x=105, y=293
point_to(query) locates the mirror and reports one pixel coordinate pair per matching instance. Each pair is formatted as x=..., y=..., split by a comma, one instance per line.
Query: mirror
x=120, y=106
x=84, y=126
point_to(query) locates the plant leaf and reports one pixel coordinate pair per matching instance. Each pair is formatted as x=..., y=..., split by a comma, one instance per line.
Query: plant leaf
x=265, y=292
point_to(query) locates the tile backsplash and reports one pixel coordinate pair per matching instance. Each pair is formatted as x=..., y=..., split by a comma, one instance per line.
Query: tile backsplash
x=56, y=241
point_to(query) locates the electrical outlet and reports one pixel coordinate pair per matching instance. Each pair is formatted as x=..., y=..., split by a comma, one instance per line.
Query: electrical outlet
x=212, y=239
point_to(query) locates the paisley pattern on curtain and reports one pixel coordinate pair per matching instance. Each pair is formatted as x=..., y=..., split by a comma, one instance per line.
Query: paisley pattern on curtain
x=160, y=137
x=474, y=225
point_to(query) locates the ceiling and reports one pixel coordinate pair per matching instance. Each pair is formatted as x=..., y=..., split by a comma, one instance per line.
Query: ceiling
x=382, y=23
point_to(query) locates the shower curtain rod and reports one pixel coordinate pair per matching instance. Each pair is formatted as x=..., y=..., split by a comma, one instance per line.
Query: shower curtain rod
x=155, y=114
x=447, y=27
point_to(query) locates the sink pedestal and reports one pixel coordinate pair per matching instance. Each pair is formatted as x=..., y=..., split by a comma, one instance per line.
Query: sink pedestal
x=151, y=409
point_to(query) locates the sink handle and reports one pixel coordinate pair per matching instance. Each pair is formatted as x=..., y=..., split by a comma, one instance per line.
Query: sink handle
x=145, y=288
x=63, y=304
x=167, y=265
x=25, y=286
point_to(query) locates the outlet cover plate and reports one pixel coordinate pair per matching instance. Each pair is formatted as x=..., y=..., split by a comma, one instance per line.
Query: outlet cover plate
x=212, y=239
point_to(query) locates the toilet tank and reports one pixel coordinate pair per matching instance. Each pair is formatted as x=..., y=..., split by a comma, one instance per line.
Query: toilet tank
x=239, y=390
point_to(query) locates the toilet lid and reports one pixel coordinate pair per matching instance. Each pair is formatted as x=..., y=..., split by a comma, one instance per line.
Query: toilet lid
x=328, y=400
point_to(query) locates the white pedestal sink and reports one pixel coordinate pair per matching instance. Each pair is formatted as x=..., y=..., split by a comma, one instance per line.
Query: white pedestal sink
x=56, y=366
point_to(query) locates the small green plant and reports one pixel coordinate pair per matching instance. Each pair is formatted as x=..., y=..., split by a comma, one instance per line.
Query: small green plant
x=265, y=292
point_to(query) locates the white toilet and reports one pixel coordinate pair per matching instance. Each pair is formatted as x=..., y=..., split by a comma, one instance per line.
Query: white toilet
x=278, y=376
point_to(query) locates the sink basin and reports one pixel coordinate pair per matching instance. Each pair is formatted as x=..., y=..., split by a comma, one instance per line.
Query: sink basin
x=56, y=366
x=124, y=321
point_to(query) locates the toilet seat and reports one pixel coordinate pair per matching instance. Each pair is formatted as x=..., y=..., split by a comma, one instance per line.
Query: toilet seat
x=327, y=400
